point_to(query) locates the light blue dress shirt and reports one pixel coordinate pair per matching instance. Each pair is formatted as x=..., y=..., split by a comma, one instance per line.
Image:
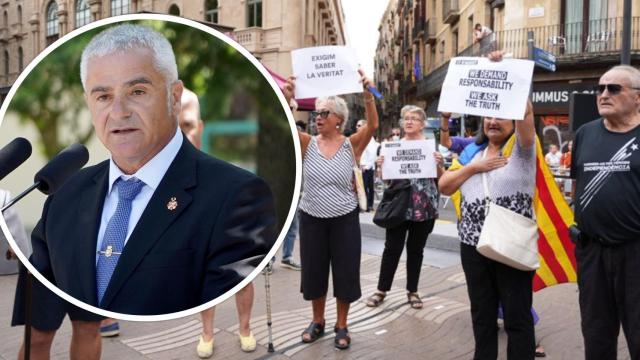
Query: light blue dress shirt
x=151, y=174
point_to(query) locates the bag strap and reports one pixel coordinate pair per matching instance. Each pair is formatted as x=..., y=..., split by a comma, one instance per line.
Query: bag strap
x=485, y=185
x=353, y=153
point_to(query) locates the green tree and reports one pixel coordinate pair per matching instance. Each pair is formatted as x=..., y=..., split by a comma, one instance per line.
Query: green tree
x=51, y=98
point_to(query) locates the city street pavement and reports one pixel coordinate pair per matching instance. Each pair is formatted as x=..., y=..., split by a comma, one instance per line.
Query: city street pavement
x=441, y=330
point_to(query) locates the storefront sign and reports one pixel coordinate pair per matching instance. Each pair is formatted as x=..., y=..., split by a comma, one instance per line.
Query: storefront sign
x=554, y=98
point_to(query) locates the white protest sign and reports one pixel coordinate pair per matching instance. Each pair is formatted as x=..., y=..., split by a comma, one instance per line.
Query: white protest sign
x=324, y=71
x=409, y=159
x=479, y=86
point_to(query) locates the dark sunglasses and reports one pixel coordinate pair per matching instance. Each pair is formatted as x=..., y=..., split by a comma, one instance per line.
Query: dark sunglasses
x=614, y=89
x=323, y=114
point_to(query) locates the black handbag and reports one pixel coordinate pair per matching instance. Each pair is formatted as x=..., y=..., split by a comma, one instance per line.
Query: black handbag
x=392, y=210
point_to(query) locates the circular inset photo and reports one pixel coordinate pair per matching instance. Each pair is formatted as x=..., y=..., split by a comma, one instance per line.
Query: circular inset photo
x=192, y=171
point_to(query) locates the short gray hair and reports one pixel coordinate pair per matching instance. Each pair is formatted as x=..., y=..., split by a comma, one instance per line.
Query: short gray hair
x=338, y=106
x=128, y=36
x=634, y=74
x=412, y=109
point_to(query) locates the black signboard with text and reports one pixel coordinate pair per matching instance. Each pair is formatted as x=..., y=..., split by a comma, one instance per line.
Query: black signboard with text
x=554, y=98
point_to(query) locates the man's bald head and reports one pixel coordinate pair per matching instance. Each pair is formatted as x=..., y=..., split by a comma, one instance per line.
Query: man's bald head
x=189, y=119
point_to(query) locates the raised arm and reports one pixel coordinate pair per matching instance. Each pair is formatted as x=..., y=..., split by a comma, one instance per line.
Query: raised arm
x=445, y=139
x=361, y=138
x=288, y=90
x=525, y=129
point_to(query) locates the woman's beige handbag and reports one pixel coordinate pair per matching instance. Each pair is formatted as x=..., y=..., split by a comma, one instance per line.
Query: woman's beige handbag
x=508, y=237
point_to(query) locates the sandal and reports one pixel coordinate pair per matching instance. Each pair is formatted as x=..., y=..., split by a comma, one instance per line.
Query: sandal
x=314, y=330
x=342, y=334
x=376, y=299
x=540, y=351
x=414, y=300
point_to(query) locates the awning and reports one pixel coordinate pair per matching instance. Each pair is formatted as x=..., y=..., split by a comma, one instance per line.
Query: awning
x=303, y=104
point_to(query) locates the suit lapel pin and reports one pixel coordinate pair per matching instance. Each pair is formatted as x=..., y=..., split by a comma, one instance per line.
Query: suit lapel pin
x=109, y=251
x=172, y=204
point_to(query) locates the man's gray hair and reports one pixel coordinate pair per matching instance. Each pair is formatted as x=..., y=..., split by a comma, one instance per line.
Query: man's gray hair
x=338, y=106
x=634, y=74
x=125, y=37
x=412, y=109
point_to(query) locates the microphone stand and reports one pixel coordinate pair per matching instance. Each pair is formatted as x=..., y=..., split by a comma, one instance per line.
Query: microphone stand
x=20, y=196
x=28, y=282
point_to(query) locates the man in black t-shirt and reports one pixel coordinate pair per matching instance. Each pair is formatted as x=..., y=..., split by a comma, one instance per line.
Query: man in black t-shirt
x=606, y=166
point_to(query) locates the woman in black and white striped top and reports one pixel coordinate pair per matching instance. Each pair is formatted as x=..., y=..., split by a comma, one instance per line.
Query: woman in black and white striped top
x=329, y=216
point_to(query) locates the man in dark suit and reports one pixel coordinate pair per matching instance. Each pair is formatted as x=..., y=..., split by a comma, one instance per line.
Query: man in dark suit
x=160, y=227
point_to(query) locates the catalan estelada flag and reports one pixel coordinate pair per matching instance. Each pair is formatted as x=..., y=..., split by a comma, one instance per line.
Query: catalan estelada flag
x=416, y=74
x=554, y=216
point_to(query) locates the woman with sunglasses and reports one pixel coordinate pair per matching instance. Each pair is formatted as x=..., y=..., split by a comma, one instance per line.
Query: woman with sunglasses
x=329, y=215
x=420, y=218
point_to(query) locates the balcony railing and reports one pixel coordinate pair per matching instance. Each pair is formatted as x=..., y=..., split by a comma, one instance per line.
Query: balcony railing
x=398, y=71
x=406, y=45
x=569, y=40
x=450, y=11
x=16, y=29
x=419, y=28
x=430, y=35
x=251, y=38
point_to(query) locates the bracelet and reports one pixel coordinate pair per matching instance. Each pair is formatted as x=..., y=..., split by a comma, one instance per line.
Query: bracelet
x=444, y=130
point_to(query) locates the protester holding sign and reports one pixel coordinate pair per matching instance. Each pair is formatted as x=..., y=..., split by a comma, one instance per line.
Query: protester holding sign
x=329, y=216
x=421, y=214
x=511, y=183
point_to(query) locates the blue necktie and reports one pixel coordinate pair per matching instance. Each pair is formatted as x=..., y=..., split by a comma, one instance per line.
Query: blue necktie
x=115, y=234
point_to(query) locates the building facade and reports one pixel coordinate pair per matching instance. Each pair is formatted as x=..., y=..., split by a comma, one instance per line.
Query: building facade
x=270, y=29
x=419, y=37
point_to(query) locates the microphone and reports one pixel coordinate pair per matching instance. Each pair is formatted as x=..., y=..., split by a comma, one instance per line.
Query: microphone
x=13, y=154
x=53, y=175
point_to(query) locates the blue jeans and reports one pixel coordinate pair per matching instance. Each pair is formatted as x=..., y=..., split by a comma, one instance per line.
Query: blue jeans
x=290, y=238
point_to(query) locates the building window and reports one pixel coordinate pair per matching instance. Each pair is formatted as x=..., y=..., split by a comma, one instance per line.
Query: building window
x=211, y=7
x=52, y=20
x=20, y=59
x=254, y=13
x=83, y=13
x=19, y=14
x=174, y=10
x=119, y=7
x=454, y=44
x=6, y=63
x=5, y=19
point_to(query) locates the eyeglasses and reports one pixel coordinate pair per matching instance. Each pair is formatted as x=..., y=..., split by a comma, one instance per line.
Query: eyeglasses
x=614, y=89
x=413, y=119
x=323, y=114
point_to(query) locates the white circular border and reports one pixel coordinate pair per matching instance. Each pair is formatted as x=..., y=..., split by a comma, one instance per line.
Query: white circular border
x=296, y=141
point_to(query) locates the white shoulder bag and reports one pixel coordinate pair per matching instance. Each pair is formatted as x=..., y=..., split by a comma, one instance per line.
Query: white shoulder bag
x=506, y=236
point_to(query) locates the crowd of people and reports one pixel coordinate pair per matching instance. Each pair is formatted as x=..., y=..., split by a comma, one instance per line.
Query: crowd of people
x=509, y=177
